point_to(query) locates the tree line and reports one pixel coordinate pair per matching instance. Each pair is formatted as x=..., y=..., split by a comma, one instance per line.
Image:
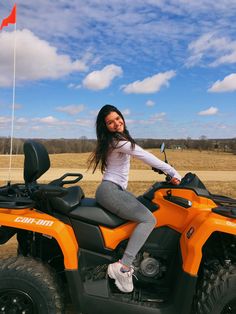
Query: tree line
x=83, y=144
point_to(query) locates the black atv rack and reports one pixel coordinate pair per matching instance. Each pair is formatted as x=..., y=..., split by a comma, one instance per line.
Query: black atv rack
x=227, y=205
x=15, y=202
x=15, y=196
x=220, y=199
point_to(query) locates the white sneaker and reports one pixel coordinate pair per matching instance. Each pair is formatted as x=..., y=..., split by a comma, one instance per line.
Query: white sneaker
x=123, y=280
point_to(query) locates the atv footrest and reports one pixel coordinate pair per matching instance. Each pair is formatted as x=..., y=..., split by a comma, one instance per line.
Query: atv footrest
x=97, y=288
x=139, y=296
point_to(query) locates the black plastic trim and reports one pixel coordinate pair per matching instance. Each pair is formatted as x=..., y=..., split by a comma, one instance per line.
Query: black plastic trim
x=189, y=182
x=220, y=199
x=12, y=202
x=226, y=211
x=6, y=233
x=148, y=203
x=89, y=236
x=181, y=201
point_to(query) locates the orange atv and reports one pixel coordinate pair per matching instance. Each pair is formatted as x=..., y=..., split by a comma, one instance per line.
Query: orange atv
x=66, y=240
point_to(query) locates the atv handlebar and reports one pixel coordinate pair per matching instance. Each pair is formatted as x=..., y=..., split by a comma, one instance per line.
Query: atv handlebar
x=157, y=170
x=60, y=182
x=162, y=150
x=168, y=177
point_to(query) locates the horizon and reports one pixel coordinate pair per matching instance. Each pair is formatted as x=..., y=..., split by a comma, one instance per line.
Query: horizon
x=169, y=67
x=136, y=138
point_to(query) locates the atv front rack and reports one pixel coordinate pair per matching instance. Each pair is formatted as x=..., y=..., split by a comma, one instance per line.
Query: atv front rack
x=227, y=205
x=226, y=211
x=221, y=200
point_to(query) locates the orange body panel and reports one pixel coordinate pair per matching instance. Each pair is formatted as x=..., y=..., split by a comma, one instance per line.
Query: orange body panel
x=168, y=214
x=112, y=237
x=202, y=227
x=178, y=217
x=199, y=216
x=32, y=220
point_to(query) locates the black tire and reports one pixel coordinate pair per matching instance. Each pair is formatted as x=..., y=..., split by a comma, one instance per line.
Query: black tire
x=27, y=286
x=216, y=292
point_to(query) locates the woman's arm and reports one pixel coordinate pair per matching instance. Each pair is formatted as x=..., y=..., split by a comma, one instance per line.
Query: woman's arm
x=149, y=159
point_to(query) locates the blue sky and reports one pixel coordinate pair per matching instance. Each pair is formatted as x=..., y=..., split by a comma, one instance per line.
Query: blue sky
x=168, y=65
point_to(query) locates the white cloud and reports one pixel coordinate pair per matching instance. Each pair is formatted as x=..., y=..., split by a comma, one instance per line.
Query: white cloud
x=227, y=85
x=98, y=80
x=74, y=86
x=36, y=59
x=17, y=106
x=228, y=58
x=19, y=123
x=209, y=112
x=94, y=113
x=126, y=112
x=72, y=109
x=47, y=120
x=211, y=46
x=158, y=116
x=150, y=103
x=21, y=120
x=36, y=128
x=198, y=47
x=150, y=84
x=84, y=122
x=4, y=121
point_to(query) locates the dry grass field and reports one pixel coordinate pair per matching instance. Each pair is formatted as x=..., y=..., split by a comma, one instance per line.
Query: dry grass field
x=188, y=160
x=182, y=160
x=138, y=188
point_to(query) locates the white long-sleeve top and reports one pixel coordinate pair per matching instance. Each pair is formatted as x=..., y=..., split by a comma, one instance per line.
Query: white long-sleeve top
x=118, y=163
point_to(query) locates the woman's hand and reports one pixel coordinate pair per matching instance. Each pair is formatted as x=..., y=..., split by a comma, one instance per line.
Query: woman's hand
x=175, y=181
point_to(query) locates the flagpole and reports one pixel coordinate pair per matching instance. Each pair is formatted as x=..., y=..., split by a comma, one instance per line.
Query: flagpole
x=13, y=105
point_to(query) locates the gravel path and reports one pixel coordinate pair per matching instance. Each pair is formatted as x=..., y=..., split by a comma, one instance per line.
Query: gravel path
x=16, y=175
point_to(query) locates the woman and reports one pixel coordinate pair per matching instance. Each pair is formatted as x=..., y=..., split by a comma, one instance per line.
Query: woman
x=113, y=151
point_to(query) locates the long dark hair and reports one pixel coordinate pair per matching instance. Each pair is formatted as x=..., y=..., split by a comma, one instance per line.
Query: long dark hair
x=107, y=139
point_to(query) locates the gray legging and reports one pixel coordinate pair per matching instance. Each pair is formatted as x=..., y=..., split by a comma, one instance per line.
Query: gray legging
x=125, y=205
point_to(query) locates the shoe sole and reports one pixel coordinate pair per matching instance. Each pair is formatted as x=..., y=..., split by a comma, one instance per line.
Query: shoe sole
x=111, y=274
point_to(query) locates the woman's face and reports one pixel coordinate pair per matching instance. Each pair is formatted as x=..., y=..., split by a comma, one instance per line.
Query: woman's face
x=114, y=122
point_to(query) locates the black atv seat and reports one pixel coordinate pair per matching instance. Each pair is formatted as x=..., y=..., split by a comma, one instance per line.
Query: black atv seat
x=68, y=202
x=90, y=211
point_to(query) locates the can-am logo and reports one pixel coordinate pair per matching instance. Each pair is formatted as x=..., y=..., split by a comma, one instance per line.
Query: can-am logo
x=229, y=223
x=39, y=222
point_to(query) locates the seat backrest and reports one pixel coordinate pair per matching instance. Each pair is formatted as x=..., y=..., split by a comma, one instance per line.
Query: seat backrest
x=36, y=162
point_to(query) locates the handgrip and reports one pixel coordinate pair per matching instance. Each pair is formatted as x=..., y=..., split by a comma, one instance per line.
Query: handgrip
x=60, y=182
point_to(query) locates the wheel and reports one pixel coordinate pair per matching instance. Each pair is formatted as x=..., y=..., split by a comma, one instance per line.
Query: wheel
x=28, y=287
x=216, y=292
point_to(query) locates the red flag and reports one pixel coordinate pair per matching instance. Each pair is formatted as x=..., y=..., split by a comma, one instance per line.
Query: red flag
x=11, y=19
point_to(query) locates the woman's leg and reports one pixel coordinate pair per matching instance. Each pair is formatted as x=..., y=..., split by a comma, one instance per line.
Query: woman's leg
x=125, y=205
